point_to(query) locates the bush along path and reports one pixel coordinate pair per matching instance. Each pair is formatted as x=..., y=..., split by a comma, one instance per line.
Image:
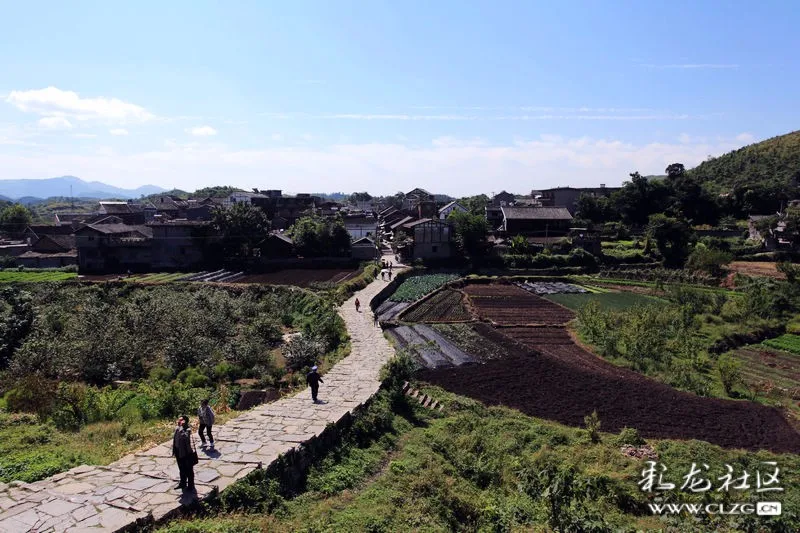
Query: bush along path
x=139, y=489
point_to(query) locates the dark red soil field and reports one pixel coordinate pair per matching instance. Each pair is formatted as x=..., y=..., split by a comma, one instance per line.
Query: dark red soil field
x=447, y=305
x=563, y=382
x=299, y=277
x=510, y=305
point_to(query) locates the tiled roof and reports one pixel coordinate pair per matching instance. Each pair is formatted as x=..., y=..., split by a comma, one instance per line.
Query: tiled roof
x=536, y=213
x=402, y=221
x=454, y=202
x=121, y=229
x=118, y=208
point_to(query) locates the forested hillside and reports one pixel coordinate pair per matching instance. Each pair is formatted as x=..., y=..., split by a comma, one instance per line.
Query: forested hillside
x=774, y=162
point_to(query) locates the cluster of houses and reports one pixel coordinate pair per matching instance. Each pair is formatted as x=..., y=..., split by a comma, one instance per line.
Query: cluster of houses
x=162, y=233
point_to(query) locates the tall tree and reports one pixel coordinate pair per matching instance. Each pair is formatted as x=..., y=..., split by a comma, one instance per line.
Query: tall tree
x=475, y=204
x=470, y=232
x=315, y=236
x=242, y=227
x=672, y=237
x=14, y=218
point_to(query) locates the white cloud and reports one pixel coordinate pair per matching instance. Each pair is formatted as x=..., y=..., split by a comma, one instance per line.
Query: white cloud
x=276, y=137
x=54, y=102
x=85, y=135
x=202, y=131
x=745, y=138
x=446, y=165
x=609, y=114
x=118, y=131
x=55, y=123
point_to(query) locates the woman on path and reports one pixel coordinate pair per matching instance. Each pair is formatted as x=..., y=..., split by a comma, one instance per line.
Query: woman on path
x=184, y=454
x=358, y=306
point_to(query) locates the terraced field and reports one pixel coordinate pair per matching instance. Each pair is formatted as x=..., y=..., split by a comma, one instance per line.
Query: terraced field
x=608, y=300
x=447, y=305
x=15, y=276
x=509, y=305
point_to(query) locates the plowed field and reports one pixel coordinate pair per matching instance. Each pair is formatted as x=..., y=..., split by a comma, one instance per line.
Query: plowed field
x=446, y=305
x=562, y=382
x=509, y=305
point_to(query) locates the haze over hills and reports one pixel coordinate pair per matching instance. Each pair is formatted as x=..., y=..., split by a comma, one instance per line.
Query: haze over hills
x=46, y=188
x=774, y=162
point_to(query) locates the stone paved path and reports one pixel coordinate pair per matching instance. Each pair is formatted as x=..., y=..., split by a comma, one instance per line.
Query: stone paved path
x=139, y=488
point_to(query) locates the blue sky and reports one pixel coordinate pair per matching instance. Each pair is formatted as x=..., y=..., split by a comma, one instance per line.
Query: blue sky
x=456, y=97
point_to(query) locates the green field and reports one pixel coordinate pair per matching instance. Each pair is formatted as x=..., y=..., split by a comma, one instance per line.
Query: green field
x=787, y=342
x=15, y=276
x=415, y=287
x=608, y=300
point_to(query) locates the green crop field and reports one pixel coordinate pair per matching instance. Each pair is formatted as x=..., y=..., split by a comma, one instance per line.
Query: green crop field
x=415, y=287
x=787, y=342
x=609, y=300
x=15, y=276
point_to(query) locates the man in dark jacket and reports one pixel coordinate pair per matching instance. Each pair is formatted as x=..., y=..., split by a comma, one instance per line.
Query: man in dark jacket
x=313, y=380
x=182, y=451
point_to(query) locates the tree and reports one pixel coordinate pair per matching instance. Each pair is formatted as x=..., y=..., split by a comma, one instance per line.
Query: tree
x=15, y=217
x=314, y=236
x=359, y=197
x=242, y=227
x=475, y=204
x=711, y=260
x=470, y=232
x=672, y=237
x=519, y=245
x=640, y=198
x=594, y=209
x=675, y=171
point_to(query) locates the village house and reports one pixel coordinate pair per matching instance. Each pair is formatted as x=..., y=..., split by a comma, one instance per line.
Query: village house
x=114, y=248
x=445, y=211
x=536, y=221
x=426, y=239
x=177, y=244
x=50, y=251
x=364, y=249
x=361, y=226
x=568, y=196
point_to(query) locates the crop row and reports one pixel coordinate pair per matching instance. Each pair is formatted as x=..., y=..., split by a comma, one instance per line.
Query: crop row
x=415, y=287
x=787, y=342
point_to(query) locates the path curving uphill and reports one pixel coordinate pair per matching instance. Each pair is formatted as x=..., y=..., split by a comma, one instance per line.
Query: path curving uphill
x=138, y=489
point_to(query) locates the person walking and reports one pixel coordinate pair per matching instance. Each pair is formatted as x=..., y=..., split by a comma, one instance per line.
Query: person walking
x=390, y=274
x=313, y=380
x=206, y=416
x=375, y=319
x=358, y=306
x=383, y=275
x=184, y=453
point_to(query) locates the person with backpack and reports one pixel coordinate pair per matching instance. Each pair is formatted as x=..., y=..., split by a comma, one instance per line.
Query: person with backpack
x=313, y=380
x=184, y=453
x=206, y=416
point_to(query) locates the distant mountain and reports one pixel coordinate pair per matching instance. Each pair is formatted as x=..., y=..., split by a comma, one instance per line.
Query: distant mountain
x=774, y=162
x=46, y=188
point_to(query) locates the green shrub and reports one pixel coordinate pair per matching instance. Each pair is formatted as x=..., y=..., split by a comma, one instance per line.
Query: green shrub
x=227, y=371
x=193, y=378
x=32, y=394
x=629, y=436
x=302, y=351
x=592, y=422
x=730, y=372
x=160, y=373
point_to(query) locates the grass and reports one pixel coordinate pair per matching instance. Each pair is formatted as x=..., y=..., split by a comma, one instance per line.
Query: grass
x=607, y=300
x=477, y=468
x=31, y=450
x=787, y=342
x=15, y=276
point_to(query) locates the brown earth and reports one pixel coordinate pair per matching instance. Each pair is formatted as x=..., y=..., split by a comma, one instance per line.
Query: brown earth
x=756, y=268
x=510, y=305
x=544, y=374
x=301, y=277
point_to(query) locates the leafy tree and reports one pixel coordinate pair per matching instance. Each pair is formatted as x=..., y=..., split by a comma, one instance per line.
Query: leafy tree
x=359, y=197
x=315, y=236
x=672, y=237
x=675, y=171
x=16, y=321
x=711, y=260
x=242, y=227
x=470, y=232
x=15, y=217
x=640, y=198
x=215, y=192
x=730, y=372
x=475, y=204
x=519, y=245
x=594, y=209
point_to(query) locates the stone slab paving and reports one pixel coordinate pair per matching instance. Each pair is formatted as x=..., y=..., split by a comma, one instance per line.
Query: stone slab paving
x=139, y=488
